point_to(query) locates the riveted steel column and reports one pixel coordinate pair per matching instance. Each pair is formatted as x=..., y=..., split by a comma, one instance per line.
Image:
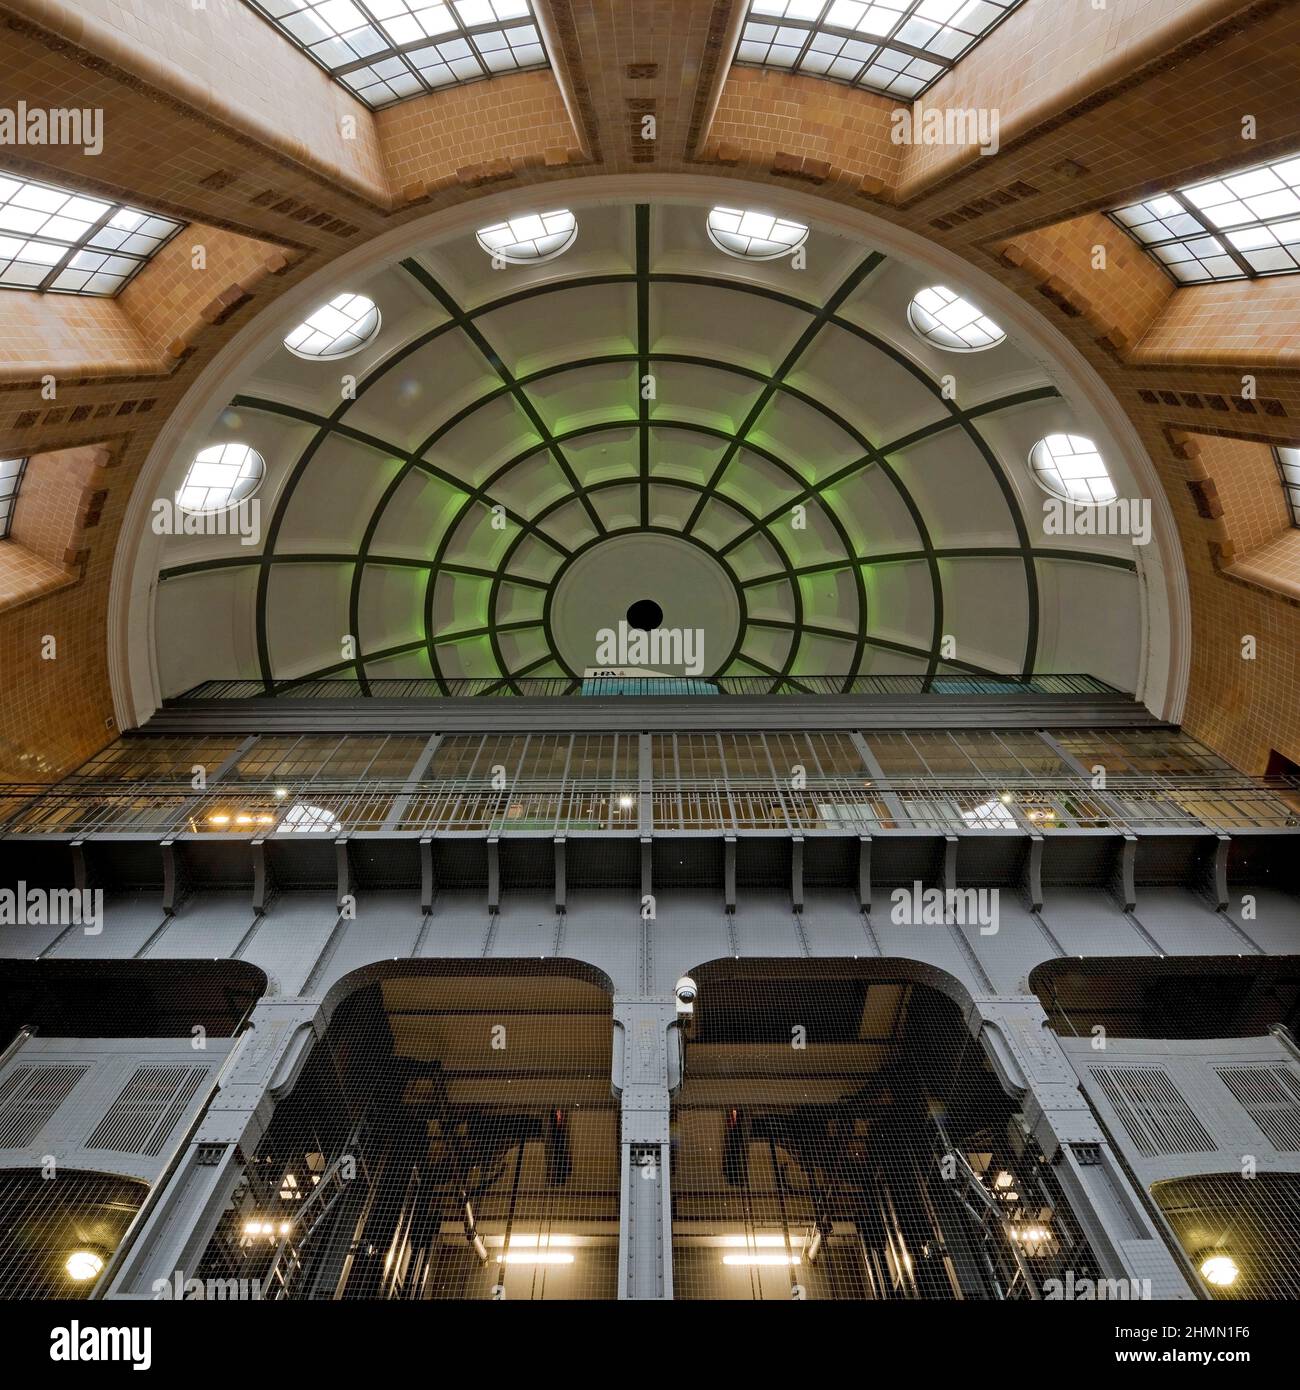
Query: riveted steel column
x=1033, y=1067
x=647, y=1069
x=172, y=1229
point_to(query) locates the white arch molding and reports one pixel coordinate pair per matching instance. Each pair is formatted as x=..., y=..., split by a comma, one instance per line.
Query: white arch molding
x=1165, y=616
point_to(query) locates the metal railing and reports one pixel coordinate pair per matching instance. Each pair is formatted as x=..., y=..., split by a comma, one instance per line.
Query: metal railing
x=556, y=687
x=1211, y=802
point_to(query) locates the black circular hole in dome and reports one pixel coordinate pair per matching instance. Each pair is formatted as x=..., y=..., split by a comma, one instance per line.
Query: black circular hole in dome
x=645, y=614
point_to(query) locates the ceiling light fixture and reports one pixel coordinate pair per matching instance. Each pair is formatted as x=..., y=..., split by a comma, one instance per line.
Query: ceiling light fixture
x=1220, y=1270
x=83, y=1265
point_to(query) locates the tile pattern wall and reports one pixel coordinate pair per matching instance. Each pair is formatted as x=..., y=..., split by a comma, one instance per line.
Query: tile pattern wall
x=1150, y=123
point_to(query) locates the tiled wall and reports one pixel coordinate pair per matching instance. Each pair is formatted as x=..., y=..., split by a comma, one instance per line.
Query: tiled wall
x=1154, y=124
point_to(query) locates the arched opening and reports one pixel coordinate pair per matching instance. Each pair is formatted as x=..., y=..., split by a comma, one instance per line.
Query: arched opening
x=452, y=1136
x=840, y=1135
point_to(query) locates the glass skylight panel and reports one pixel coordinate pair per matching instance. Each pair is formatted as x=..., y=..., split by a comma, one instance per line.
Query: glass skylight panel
x=1240, y=227
x=59, y=241
x=753, y=235
x=943, y=317
x=221, y=476
x=387, y=50
x=337, y=329
x=1288, y=465
x=11, y=479
x=1070, y=467
x=302, y=819
x=896, y=47
x=534, y=237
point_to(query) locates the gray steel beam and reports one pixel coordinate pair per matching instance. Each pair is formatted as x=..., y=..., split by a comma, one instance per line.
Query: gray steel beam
x=412, y=784
x=635, y=714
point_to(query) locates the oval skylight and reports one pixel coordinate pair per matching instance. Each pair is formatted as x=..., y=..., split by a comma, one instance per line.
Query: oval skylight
x=753, y=235
x=530, y=239
x=1070, y=467
x=337, y=329
x=942, y=317
x=221, y=476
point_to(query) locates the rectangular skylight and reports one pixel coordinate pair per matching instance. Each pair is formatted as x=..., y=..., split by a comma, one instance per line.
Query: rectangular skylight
x=1288, y=465
x=387, y=50
x=1240, y=227
x=11, y=479
x=895, y=47
x=62, y=242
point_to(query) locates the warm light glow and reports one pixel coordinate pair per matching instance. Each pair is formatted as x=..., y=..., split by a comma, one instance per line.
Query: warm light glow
x=535, y=1257
x=83, y=1265
x=759, y=1258
x=267, y=1228
x=750, y=1242
x=625, y=802
x=1219, y=1270
x=220, y=819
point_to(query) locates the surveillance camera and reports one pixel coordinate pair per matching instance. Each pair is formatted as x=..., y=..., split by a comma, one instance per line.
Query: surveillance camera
x=685, y=990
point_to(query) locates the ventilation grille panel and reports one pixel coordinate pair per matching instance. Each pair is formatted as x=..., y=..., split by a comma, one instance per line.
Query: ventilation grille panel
x=28, y=1099
x=1271, y=1097
x=148, y=1109
x=1153, y=1111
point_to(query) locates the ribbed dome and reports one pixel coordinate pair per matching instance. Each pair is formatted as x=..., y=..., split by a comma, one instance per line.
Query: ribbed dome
x=770, y=454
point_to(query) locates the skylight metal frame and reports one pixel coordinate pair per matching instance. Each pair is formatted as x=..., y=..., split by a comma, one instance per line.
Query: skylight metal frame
x=1045, y=462
x=940, y=333
x=9, y=489
x=241, y=463
x=818, y=29
x=392, y=62
x=81, y=220
x=1289, y=472
x=1187, y=209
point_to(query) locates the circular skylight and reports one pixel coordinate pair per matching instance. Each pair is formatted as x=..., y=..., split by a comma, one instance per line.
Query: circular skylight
x=528, y=240
x=944, y=318
x=221, y=476
x=337, y=329
x=754, y=236
x=1070, y=467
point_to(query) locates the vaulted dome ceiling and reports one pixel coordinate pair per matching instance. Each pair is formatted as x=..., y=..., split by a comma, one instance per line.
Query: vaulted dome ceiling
x=768, y=453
